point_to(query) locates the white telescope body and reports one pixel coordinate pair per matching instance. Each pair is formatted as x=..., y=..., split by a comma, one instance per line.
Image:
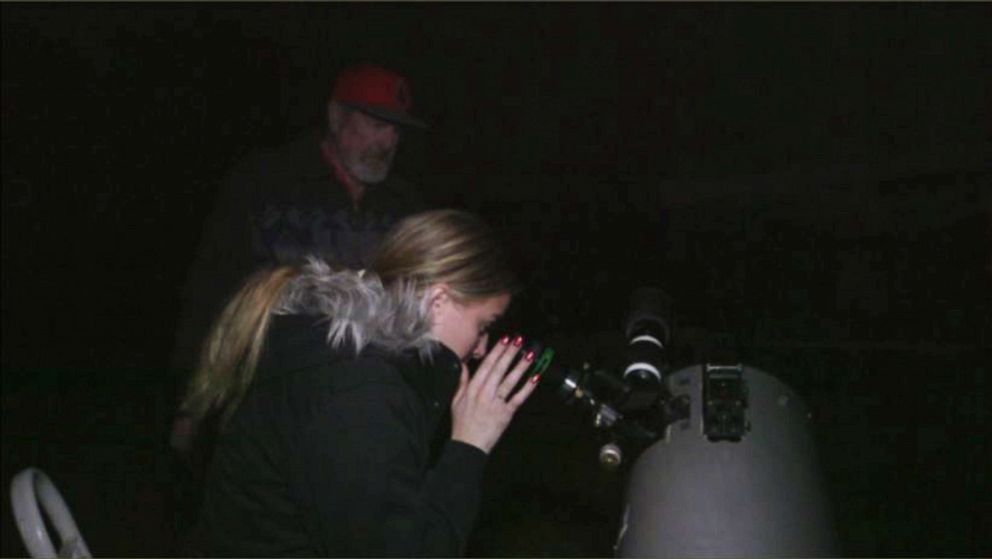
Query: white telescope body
x=760, y=497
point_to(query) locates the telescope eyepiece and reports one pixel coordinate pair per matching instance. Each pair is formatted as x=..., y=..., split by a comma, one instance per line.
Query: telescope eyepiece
x=648, y=336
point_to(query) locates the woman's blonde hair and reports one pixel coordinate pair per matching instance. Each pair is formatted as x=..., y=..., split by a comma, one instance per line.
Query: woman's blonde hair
x=232, y=348
x=448, y=247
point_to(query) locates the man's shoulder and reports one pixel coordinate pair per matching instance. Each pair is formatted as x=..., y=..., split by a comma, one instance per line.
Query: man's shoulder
x=293, y=171
x=300, y=158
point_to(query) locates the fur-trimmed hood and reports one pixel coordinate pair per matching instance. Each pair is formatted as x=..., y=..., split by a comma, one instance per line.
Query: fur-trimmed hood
x=359, y=310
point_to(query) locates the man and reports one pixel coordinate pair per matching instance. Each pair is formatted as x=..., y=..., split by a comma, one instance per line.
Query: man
x=334, y=197
x=329, y=194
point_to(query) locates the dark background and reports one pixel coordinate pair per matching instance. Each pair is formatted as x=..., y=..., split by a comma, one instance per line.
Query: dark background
x=811, y=183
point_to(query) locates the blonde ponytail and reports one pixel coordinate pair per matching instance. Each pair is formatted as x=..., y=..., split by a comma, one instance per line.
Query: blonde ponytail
x=231, y=351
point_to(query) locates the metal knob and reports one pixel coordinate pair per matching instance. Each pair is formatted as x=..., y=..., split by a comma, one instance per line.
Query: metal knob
x=610, y=456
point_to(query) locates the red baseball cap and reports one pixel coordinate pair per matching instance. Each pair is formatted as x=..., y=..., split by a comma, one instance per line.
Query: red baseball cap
x=377, y=91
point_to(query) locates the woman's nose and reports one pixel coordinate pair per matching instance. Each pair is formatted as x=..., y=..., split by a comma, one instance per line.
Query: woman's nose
x=480, y=348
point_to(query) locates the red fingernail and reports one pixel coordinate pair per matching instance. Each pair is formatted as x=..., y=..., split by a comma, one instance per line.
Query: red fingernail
x=504, y=340
x=529, y=356
x=518, y=341
x=535, y=379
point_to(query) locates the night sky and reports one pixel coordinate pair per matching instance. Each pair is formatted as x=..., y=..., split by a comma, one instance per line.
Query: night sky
x=810, y=183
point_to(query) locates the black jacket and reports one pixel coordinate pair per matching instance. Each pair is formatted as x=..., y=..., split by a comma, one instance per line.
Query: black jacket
x=275, y=208
x=330, y=455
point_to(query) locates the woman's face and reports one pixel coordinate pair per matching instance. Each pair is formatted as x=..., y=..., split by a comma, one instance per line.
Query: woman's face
x=464, y=328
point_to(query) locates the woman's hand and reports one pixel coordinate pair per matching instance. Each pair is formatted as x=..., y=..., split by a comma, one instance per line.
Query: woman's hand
x=484, y=405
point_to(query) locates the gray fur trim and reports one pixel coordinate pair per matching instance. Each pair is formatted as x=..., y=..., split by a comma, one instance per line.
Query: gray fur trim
x=359, y=310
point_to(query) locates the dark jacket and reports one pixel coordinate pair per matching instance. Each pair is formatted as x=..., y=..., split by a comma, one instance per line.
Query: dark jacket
x=330, y=454
x=276, y=208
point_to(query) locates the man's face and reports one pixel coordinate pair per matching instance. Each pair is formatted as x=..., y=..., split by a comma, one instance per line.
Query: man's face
x=366, y=146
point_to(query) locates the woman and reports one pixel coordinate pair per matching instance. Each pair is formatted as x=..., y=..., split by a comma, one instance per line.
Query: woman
x=330, y=388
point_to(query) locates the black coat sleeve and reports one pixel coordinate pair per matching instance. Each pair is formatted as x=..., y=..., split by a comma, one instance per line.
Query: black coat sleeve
x=223, y=260
x=360, y=469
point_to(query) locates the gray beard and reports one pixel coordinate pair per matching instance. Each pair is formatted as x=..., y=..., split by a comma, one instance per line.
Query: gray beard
x=368, y=168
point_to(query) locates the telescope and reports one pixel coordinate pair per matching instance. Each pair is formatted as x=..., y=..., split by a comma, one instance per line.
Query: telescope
x=719, y=457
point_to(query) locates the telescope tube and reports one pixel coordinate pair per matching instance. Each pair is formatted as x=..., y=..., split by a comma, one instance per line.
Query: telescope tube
x=762, y=496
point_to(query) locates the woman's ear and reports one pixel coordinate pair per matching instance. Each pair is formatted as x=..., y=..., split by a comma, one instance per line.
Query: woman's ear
x=440, y=294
